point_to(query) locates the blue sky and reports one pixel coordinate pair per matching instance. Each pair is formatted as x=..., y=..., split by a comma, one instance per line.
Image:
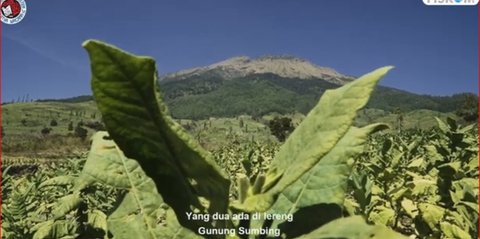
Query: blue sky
x=434, y=49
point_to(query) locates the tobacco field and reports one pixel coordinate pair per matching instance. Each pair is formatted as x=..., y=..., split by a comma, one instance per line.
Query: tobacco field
x=339, y=181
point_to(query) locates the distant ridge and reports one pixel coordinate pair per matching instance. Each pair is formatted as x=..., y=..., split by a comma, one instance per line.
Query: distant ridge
x=75, y=99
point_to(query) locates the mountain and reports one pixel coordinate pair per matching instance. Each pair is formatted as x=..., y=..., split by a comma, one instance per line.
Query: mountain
x=281, y=84
x=283, y=66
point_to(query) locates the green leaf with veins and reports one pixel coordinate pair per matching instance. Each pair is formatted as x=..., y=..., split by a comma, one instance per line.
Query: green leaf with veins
x=125, y=90
x=137, y=214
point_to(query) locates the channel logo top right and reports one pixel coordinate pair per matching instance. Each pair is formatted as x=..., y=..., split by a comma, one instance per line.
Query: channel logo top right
x=451, y=2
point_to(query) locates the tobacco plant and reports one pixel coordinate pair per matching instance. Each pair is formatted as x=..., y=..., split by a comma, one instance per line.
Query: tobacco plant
x=45, y=204
x=420, y=183
x=168, y=176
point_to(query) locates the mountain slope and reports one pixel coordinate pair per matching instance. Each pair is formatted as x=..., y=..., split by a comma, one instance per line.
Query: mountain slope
x=205, y=95
x=283, y=85
x=256, y=95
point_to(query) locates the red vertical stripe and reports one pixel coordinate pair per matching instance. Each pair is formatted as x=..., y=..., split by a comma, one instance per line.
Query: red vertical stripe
x=1, y=125
x=478, y=86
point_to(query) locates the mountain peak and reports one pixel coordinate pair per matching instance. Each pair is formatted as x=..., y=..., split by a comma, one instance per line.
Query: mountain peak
x=280, y=57
x=283, y=65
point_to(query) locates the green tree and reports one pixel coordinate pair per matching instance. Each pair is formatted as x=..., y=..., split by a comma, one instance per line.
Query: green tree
x=469, y=109
x=45, y=131
x=70, y=126
x=399, y=119
x=281, y=127
x=53, y=123
x=81, y=132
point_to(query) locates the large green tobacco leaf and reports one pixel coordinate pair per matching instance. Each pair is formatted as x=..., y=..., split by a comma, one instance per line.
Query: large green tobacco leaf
x=137, y=214
x=352, y=228
x=319, y=133
x=126, y=92
x=325, y=183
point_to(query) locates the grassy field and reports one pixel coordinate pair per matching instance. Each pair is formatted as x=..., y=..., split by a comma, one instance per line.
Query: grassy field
x=31, y=118
x=23, y=124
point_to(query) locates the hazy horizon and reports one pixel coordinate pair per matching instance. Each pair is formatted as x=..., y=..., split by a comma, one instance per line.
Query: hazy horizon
x=434, y=49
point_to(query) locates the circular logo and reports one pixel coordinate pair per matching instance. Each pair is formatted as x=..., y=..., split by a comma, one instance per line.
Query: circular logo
x=13, y=11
